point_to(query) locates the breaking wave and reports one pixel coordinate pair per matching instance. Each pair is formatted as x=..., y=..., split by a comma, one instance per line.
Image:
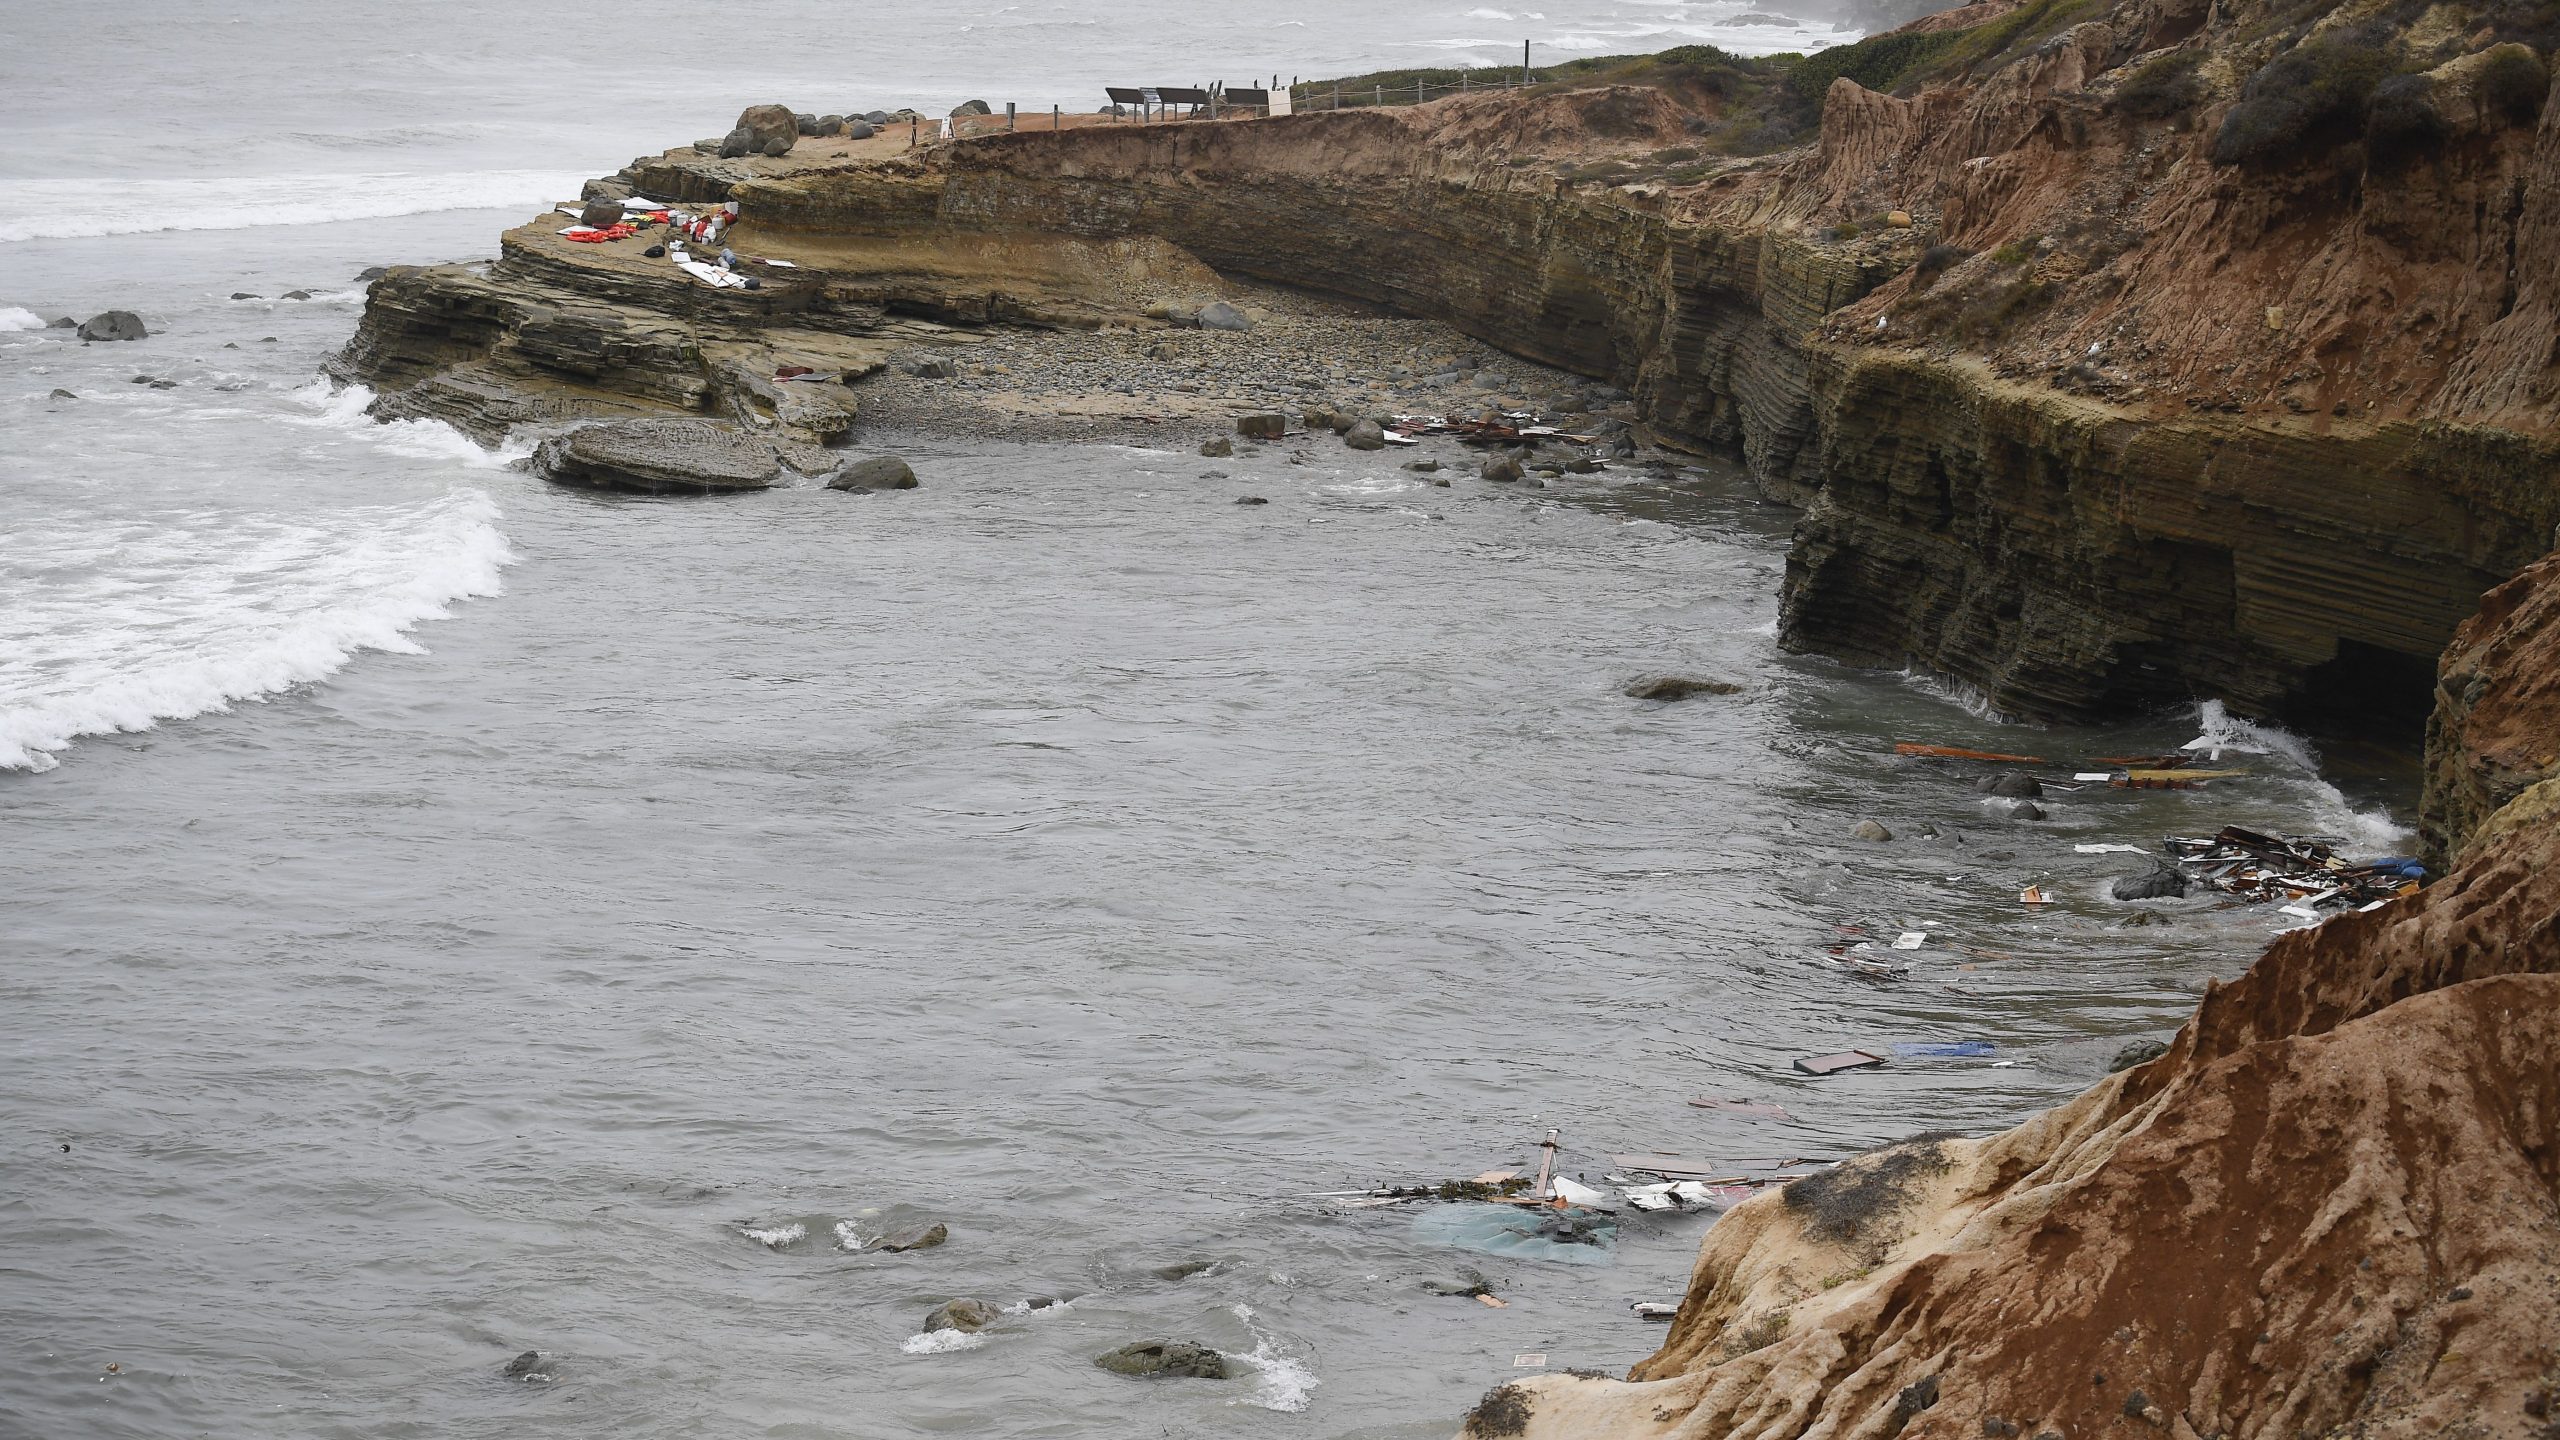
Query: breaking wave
x=176, y=615
x=2222, y=733
x=70, y=207
x=1284, y=1382
x=13, y=318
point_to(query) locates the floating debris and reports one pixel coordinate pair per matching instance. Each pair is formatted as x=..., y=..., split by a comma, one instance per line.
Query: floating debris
x=1950, y=752
x=1834, y=1064
x=2303, y=871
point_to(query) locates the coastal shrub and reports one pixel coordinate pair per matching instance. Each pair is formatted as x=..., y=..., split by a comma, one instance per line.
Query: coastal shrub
x=2401, y=123
x=1758, y=1333
x=2305, y=101
x=2514, y=84
x=2161, y=87
x=2015, y=252
x=1675, y=155
x=1878, y=62
x=1934, y=262
x=1990, y=46
x=1845, y=230
x=1845, y=1202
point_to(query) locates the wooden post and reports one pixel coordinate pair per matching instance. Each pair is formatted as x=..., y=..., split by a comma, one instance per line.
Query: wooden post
x=1524, y=62
x=1008, y=117
x=1057, y=117
x=912, y=123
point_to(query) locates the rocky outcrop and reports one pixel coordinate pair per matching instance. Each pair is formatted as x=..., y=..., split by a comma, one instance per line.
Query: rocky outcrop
x=661, y=456
x=2495, y=736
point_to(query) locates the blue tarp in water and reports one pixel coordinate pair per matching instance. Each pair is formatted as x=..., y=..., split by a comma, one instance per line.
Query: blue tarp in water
x=1514, y=1231
x=1955, y=1049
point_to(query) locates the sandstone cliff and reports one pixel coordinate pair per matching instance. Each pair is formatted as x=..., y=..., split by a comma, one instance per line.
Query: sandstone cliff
x=2077, y=414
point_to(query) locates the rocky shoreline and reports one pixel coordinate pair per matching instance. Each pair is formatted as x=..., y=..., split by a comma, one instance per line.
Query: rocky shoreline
x=2077, y=410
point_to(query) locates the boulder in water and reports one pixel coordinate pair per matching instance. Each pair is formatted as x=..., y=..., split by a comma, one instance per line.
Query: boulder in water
x=63, y=322
x=1157, y=1359
x=1503, y=470
x=881, y=472
x=1424, y=467
x=682, y=457
x=964, y=1315
x=113, y=325
x=913, y=1237
x=245, y=295
x=1219, y=448
x=1366, y=435
x=1869, y=830
x=371, y=273
x=527, y=1366
x=2165, y=882
x=766, y=124
x=1678, y=687
x=2011, y=785
x=2025, y=810
x=61, y=394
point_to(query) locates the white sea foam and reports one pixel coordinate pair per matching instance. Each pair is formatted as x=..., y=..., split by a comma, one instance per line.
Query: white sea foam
x=342, y=408
x=13, y=318
x=1284, y=1382
x=1957, y=692
x=174, y=615
x=940, y=1342
x=774, y=1237
x=72, y=206
x=2222, y=733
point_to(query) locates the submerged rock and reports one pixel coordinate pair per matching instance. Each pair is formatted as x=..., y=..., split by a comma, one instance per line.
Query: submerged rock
x=1503, y=470
x=2164, y=882
x=881, y=472
x=1366, y=435
x=1871, y=831
x=2010, y=785
x=1156, y=1359
x=1251, y=500
x=2026, y=810
x=61, y=394
x=659, y=456
x=966, y=1316
x=1182, y=1269
x=527, y=1366
x=913, y=1237
x=1678, y=687
x=1423, y=467
x=1219, y=448
x=113, y=325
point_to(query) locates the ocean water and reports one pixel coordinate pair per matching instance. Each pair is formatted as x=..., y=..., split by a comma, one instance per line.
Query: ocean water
x=442, y=915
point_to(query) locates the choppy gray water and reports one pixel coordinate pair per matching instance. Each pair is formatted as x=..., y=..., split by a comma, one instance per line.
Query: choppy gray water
x=550, y=889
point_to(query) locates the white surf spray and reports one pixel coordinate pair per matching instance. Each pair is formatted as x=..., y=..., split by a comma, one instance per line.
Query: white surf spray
x=940, y=1342
x=1283, y=1381
x=127, y=625
x=14, y=318
x=2222, y=733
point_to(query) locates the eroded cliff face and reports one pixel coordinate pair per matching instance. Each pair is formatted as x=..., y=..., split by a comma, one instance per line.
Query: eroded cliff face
x=2332, y=1208
x=2091, y=423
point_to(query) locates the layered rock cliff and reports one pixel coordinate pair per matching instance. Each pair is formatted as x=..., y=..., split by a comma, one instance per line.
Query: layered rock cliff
x=2077, y=414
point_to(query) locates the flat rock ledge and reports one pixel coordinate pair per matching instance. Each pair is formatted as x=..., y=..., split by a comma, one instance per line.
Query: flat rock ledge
x=663, y=457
